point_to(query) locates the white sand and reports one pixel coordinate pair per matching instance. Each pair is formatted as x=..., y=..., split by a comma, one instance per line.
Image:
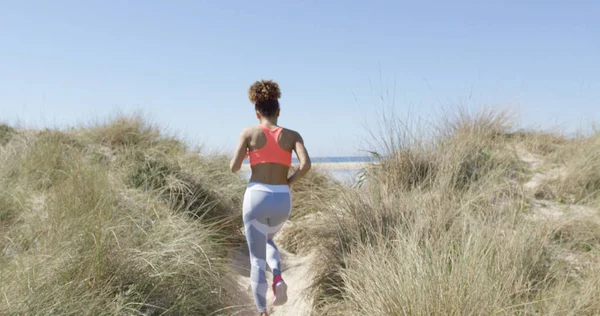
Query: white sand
x=295, y=271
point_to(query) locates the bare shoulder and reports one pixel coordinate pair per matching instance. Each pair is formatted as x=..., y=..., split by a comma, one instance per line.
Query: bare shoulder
x=251, y=128
x=248, y=130
x=295, y=135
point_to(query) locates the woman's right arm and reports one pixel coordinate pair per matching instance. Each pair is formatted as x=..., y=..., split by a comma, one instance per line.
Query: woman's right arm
x=302, y=157
x=240, y=153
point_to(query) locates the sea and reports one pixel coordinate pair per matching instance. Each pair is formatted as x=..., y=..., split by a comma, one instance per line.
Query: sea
x=347, y=176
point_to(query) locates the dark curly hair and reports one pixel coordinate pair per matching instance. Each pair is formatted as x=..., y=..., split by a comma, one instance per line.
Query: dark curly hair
x=265, y=96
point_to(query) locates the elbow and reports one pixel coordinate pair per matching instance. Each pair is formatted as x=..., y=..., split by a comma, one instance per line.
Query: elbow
x=233, y=168
x=305, y=166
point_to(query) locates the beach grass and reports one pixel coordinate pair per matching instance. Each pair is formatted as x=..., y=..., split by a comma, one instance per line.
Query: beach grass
x=467, y=217
x=115, y=218
x=450, y=223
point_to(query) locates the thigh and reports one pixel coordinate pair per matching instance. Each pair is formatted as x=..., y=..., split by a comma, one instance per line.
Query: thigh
x=256, y=210
x=280, y=208
x=256, y=207
x=256, y=238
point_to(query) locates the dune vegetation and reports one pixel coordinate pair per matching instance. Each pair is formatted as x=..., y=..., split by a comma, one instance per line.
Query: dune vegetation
x=471, y=217
x=115, y=218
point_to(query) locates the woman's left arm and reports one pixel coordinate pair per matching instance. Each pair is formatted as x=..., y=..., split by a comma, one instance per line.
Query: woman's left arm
x=240, y=153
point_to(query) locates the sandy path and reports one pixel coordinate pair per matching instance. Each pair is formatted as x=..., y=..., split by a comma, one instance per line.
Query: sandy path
x=540, y=176
x=558, y=214
x=296, y=273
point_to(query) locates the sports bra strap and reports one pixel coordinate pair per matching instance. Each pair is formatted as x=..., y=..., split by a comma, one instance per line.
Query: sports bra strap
x=274, y=133
x=271, y=151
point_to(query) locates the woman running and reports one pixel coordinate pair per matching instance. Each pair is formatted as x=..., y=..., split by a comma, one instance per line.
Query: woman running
x=267, y=201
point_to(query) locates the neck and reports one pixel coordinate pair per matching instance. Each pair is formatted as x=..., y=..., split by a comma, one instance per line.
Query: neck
x=268, y=121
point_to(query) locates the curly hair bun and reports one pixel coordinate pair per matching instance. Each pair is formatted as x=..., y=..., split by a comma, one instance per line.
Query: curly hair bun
x=264, y=90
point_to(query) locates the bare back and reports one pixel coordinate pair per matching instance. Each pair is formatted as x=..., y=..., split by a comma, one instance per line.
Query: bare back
x=270, y=173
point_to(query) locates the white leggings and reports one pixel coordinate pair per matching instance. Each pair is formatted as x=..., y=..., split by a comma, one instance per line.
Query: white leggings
x=266, y=208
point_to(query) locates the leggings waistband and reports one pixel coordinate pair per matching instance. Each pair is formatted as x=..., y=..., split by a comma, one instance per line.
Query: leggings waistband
x=273, y=188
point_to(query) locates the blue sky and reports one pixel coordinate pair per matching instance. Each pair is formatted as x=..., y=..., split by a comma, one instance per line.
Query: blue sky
x=188, y=64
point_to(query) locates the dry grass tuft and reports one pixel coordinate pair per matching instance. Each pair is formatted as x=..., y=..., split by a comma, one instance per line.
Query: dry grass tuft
x=6, y=133
x=311, y=192
x=125, y=131
x=310, y=196
x=541, y=143
x=97, y=221
x=441, y=227
x=579, y=231
x=581, y=181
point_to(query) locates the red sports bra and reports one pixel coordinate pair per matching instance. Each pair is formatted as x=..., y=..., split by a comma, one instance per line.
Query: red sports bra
x=271, y=152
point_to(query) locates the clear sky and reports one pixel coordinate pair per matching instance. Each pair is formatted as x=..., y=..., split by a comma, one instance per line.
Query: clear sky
x=188, y=64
